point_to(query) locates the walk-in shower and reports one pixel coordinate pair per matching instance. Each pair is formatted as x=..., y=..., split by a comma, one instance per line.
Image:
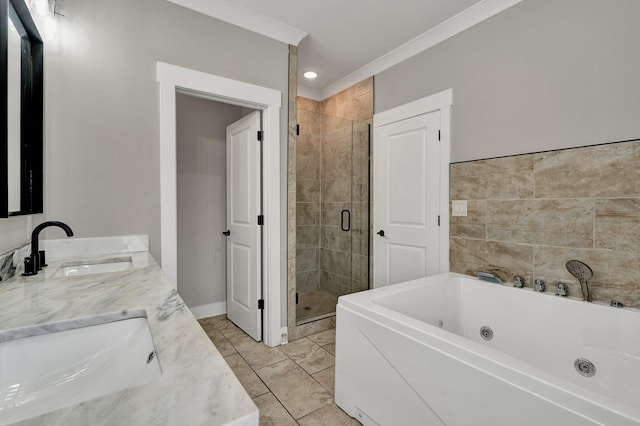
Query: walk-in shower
x=332, y=212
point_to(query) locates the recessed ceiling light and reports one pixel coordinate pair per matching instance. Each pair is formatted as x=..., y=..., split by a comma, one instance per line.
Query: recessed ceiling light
x=310, y=74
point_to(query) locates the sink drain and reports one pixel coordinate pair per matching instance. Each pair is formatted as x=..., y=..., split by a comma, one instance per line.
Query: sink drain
x=585, y=367
x=486, y=333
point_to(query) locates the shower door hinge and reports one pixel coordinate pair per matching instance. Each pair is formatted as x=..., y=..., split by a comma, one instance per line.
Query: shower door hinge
x=438, y=134
x=438, y=220
x=260, y=220
x=259, y=135
x=261, y=304
x=297, y=130
x=297, y=298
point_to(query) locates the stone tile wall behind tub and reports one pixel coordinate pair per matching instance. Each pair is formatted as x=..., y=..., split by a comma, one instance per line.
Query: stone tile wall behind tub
x=529, y=214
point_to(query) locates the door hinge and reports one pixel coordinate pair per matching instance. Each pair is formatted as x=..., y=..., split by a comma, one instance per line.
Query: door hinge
x=260, y=135
x=438, y=134
x=261, y=304
x=260, y=219
x=297, y=300
x=297, y=130
x=438, y=220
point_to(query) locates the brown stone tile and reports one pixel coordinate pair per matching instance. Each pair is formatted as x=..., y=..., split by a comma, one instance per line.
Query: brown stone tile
x=503, y=259
x=212, y=322
x=331, y=212
x=615, y=272
x=499, y=178
x=308, y=281
x=305, y=104
x=363, y=87
x=307, y=213
x=308, y=145
x=474, y=225
x=611, y=170
x=295, y=389
x=220, y=342
x=307, y=236
x=307, y=168
x=330, y=282
x=334, y=166
x=331, y=348
x=308, y=355
x=259, y=355
x=564, y=223
x=247, y=377
x=330, y=415
x=324, y=338
x=617, y=224
x=327, y=378
x=272, y=413
x=308, y=191
x=307, y=259
x=314, y=304
x=336, y=190
x=335, y=261
x=314, y=327
x=361, y=108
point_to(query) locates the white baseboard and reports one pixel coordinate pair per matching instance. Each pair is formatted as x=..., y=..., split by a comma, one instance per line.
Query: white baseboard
x=209, y=310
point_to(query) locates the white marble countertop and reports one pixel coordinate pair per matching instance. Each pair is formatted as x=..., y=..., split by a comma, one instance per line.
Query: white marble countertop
x=196, y=387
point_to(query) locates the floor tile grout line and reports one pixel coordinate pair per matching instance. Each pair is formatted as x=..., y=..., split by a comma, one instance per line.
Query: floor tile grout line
x=215, y=325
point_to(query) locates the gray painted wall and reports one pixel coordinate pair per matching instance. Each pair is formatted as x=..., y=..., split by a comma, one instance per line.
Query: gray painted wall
x=201, y=154
x=102, y=131
x=544, y=74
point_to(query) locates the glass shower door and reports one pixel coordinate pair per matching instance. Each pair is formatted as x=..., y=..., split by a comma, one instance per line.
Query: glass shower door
x=333, y=251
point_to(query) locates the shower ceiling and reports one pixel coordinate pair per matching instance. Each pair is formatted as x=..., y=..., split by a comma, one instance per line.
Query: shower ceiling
x=342, y=36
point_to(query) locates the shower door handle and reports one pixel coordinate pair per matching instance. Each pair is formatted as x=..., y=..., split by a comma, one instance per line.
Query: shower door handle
x=348, y=228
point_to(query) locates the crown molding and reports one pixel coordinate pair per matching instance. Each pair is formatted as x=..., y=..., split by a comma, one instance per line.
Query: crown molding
x=447, y=29
x=245, y=18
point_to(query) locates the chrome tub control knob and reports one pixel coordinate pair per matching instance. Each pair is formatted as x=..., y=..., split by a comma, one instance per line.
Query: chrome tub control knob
x=616, y=304
x=538, y=285
x=518, y=281
x=562, y=290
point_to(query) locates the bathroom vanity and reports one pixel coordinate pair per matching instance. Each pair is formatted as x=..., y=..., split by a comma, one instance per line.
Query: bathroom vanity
x=114, y=342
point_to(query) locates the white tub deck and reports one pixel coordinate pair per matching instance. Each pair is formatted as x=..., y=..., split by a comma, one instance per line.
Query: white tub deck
x=412, y=353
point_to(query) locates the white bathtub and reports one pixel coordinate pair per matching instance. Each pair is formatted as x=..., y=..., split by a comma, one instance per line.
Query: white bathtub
x=412, y=354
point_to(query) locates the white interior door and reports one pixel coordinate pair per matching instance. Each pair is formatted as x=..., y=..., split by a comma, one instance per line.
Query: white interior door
x=406, y=199
x=244, y=239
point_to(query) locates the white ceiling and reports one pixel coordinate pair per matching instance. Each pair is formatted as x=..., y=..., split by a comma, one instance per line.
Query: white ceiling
x=345, y=35
x=342, y=39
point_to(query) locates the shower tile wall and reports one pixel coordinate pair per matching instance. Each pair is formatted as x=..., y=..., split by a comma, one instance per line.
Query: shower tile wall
x=328, y=258
x=308, y=201
x=529, y=214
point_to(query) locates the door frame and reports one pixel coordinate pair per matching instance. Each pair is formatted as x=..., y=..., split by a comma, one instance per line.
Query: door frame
x=171, y=79
x=443, y=102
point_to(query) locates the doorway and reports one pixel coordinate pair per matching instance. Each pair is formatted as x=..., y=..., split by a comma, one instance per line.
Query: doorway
x=173, y=79
x=207, y=250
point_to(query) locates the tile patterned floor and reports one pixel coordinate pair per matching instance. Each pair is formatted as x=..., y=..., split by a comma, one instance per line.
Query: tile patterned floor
x=291, y=384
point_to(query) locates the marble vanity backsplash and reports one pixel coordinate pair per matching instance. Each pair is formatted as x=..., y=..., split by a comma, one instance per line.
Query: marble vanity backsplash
x=529, y=214
x=11, y=262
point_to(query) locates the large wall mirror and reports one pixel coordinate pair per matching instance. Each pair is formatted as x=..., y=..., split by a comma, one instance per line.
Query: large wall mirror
x=21, y=111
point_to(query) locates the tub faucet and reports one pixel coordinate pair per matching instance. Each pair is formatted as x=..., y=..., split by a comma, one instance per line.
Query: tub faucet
x=538, y=285
x=34, y=262
x=518, y=281
x=562, y=290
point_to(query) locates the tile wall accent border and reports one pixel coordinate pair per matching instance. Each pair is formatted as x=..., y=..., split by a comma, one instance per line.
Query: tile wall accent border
x=529, y=214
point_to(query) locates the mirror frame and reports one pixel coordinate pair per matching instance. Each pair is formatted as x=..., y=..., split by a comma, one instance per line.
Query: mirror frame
x=31, y=114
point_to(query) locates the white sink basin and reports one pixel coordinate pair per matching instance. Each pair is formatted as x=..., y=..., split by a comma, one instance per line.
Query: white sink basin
x=50, y=366
x=94, y=267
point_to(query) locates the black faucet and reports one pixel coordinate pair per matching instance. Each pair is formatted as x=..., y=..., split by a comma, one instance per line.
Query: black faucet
x=35, y=262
